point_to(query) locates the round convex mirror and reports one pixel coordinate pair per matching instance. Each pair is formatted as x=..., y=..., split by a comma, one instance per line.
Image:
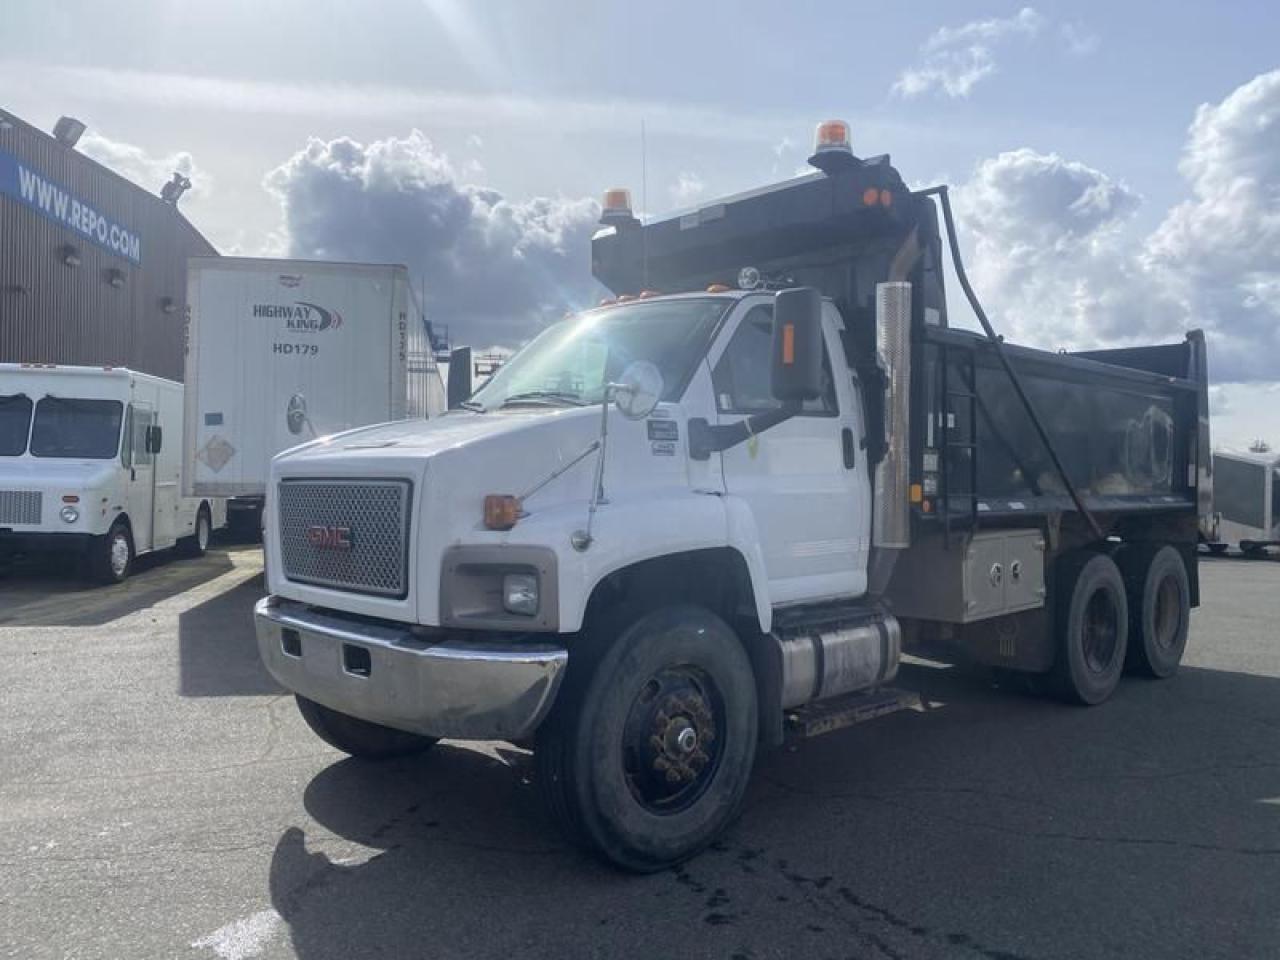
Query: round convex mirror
x=638, y=390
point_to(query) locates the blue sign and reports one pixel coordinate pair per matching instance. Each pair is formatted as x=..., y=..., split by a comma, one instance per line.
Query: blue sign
x=55, y=202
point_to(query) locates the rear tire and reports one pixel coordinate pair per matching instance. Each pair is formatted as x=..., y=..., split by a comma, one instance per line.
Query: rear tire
x=360, y=738
x=111, y=557
x=646, y=757
x=197, y=544
x=1092, y=628
x=1159, y=596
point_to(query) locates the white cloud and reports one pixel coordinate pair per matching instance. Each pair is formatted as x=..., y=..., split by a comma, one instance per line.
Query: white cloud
x=147, y=170
x=687, y=189
x=1078, y=40
x=954, y=59
x=495, y=269
x=1053, y=258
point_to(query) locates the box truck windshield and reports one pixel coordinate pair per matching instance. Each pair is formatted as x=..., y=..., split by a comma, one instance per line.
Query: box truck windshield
x=15, y=421
x=573, y=360
x=76, y=429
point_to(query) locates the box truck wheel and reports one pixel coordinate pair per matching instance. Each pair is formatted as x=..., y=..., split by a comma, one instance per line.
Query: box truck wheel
x=1159, y=598
x=1092, y=628
x=196, y=544
x=645, y=758
x=360, y=738
x=111, y=557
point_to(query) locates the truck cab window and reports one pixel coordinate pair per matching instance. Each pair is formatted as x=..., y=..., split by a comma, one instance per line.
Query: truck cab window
x=742, y=375
x=76, y=429
x=15, y=420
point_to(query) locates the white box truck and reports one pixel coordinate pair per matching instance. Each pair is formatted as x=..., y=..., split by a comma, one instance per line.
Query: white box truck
x=90, y=463
x=1246, y=501
x=281, y=352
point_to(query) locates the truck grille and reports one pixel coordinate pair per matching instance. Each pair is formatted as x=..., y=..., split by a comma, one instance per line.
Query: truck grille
x=346, y=534
x=20, y=506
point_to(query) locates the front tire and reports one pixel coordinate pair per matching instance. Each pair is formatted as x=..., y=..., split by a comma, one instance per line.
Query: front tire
x=1092, y=628
x=111, y=557
x=360, y=738
x=646, y=758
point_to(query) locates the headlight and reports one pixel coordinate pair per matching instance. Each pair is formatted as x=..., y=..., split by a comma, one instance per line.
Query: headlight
x=520, y=594
x=70, y=514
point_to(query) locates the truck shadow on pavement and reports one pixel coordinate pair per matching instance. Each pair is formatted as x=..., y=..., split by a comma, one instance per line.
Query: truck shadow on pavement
x=218, y=648
x=49, y=592
x=987, y=827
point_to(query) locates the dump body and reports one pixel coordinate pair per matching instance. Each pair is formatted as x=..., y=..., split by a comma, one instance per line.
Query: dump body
x=280, y=352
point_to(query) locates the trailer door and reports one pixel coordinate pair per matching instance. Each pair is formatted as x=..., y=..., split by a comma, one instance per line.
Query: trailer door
x=801, y=479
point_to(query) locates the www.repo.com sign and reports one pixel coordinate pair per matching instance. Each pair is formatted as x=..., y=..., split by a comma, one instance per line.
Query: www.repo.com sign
x=55, y=202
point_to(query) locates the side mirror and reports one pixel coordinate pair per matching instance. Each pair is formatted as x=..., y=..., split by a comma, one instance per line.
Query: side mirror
x=638, y=390
x=459, y=376
x=797, y=345
x=154, y=439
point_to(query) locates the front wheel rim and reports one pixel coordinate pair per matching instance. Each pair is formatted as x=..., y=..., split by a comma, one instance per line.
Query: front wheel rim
x=119, y=554
x=673, y=739
x=1168, y=614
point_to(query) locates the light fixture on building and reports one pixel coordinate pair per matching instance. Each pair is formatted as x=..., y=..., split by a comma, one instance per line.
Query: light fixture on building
x=70, y=254
x=115, y=277
x=68, y=131
x=172, y=191
x=167, y=305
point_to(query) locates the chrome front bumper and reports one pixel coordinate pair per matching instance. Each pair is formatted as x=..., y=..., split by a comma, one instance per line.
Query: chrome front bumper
x=469, y=690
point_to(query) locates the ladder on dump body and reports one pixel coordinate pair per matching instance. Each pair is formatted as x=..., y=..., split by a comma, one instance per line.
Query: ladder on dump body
x=970, y=397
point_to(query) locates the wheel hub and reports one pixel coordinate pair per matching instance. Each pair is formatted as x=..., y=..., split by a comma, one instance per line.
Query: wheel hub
x=671, y=740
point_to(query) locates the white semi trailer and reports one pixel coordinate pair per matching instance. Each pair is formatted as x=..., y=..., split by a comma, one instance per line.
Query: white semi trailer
x=90, y=465
x=715, y=510
x=280, y=352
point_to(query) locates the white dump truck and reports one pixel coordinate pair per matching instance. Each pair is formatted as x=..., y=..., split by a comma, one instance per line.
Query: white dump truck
x=283, y=351
x=91, y=463
x=714, y=512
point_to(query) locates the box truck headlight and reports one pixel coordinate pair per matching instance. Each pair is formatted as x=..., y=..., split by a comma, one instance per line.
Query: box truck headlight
x=70, y=514
x=520, y=594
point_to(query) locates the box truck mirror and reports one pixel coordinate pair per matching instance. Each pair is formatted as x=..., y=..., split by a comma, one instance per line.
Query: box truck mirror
x=459, y=376
x=154, y=439
x=797, y=345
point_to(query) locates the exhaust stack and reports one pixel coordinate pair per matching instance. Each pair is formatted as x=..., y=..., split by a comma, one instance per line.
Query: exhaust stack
x=891, y=520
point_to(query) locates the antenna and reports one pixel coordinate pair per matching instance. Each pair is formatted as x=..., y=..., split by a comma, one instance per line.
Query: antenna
x=644, y=203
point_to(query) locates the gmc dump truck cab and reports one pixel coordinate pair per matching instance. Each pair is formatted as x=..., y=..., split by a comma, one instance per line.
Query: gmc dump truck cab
x=714, y=511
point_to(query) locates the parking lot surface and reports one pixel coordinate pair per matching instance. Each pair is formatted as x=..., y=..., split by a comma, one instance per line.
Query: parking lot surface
x=160, y=797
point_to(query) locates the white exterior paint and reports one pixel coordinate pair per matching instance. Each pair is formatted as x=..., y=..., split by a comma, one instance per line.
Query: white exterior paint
x=657, y=505
x=144, y=489
x=347, y=339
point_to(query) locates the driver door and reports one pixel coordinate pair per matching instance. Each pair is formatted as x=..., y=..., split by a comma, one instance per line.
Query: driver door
x=803, y=480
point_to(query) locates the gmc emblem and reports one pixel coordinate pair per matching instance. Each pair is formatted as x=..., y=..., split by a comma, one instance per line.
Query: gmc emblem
x=324, y=537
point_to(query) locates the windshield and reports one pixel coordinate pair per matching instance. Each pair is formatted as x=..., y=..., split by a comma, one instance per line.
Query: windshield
x=15, y=418
x=573, y=360
x=77, y=429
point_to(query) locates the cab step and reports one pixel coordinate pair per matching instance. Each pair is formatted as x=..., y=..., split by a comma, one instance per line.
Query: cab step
x=814, y=719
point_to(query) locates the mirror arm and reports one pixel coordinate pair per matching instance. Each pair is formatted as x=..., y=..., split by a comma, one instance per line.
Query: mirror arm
x=706, y=439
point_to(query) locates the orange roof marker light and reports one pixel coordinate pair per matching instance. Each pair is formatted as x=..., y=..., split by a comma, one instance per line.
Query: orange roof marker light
x=832, y=147
x=616, y=207
x=718, y=288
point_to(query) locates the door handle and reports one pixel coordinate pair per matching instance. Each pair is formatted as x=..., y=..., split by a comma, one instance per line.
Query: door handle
x=133, y=473
x=846, y=441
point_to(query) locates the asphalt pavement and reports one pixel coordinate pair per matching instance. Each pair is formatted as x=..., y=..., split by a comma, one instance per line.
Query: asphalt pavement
x=160, y=797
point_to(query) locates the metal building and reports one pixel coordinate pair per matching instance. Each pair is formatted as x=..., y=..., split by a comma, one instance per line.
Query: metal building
x=93, y=268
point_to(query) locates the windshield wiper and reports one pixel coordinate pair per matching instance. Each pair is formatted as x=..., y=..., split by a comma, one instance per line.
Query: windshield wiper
x=536, y=396
x=473, y=406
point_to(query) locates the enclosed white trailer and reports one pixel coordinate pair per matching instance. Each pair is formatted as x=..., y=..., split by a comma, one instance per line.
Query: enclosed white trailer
x=91, y=462
x=1246, y=501
x=281, y=352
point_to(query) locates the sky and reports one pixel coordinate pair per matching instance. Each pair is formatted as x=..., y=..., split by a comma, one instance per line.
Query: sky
x=1115, y=166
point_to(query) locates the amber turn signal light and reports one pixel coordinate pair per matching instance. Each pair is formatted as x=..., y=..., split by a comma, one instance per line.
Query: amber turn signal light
x=501, y=511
